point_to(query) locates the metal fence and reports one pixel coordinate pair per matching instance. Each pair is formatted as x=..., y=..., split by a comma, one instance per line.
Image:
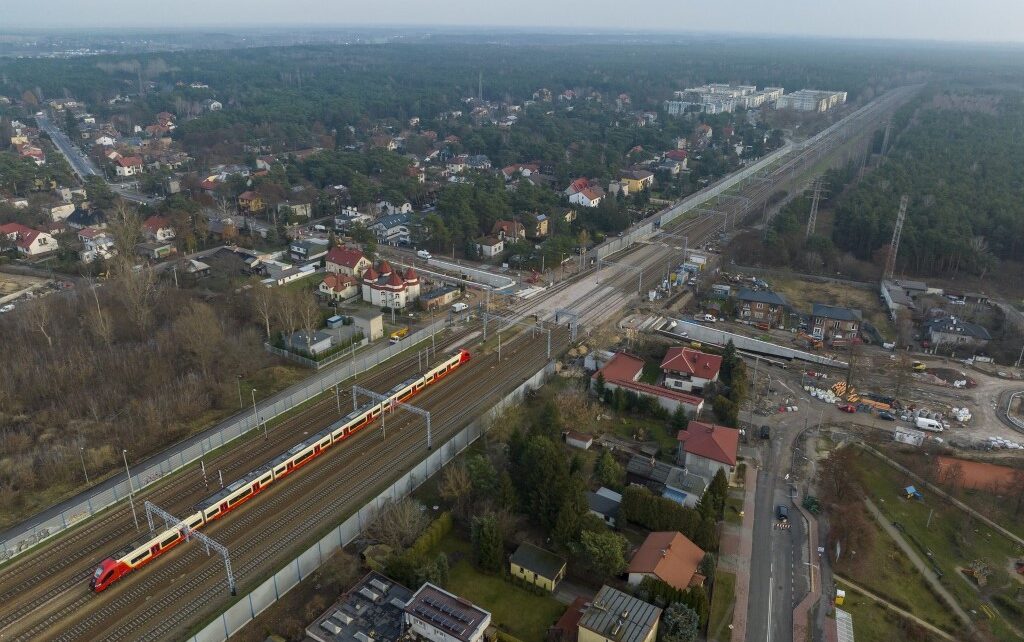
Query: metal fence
x=263, y=596
x=348, y=352
x=184, y=453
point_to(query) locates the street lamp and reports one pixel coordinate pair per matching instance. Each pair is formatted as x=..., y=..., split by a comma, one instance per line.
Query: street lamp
x=256, y=417
x=239, y=380
x=81, y=455
x=131, y=499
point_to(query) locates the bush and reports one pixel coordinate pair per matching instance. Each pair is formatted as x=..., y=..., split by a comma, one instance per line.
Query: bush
x=433, y=535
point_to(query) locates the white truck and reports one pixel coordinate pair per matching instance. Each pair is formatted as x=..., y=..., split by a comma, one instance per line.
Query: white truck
x=928, y=424
x=460, y=307
x=423, y=254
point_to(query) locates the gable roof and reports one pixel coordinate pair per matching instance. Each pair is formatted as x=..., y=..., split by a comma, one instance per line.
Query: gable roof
x=670, y=557
x=711, y=441
x=954, y=325
x=636, y=174
x=508, y=227
x=593, y=193
x=345, y=256
x=338, y=282
x=622, y=367
x=155, y=223
x=693, y=362
x=760, y=296
x=129, y=161
x=835, y=312
x=536, y=559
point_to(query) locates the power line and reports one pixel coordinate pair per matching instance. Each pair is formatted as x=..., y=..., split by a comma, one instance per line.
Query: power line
x=894, y=245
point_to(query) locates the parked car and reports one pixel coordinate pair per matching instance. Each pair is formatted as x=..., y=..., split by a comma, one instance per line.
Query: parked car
x=782, y=513
x=849, y=407
x=888, y=416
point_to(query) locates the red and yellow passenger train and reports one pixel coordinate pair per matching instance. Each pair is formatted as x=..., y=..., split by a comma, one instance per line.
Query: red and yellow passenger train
x=141, y=552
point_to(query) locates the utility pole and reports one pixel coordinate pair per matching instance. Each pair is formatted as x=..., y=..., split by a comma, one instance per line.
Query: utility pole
x=255, y=417
x=897, y=231
x=81, y=455
x=813, y=218
x=131, y=497
x=238, y=379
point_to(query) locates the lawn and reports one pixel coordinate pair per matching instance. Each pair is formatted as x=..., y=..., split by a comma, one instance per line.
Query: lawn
x=802, y=294
x=733, y=506
x=886, y=571
x=654, y=430
x=872, y=621
x=722, y=604
x=520, y=613
x=953, y=539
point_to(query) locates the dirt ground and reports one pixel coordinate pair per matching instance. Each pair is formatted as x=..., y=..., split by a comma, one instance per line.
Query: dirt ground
x=977, y=474
x=11, y=283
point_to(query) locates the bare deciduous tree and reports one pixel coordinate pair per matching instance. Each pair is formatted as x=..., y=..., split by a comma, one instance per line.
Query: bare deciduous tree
x=264, y=301
x=457, y=487
x=398, y=523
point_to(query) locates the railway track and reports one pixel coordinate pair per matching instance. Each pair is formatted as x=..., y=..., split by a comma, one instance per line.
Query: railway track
x=40, y=578
x=156, y=599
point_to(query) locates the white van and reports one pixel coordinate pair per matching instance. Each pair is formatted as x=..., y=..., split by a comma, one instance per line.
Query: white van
x=423, y=254
x=319, y=228
x=928, y=424
x=460, y=307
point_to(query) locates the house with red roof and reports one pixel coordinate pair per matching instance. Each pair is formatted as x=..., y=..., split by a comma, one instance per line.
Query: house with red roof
x=669, y=557
x=577, y=186
x=588, y=197
x=389, y=287
x=128, y=166
x=508, y=230
x=338, y=287
x=158, y=228
x=27, y=241
x=705, y=448
x=346, y=260
x=689, y=370
x=623, y=371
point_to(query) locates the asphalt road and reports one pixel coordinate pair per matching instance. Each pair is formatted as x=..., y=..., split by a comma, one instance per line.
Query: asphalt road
x=81, y=164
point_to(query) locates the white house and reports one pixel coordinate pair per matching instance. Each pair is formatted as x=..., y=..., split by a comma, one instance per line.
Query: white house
x=128, y=166
x=96, y=244
x=388, y=287
x=389, y=209
x=60, y=212
x=392, y=229
x=705, y=448
x=157, y=228
x=490, y=247
x=28, y=242
x=438, y=616
x=689, y=370
x=589, y=197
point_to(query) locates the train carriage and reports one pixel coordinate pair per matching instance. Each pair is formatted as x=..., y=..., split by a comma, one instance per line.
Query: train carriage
x=145, y=550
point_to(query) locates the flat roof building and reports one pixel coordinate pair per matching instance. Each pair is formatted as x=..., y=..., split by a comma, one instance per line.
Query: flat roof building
x=615, y=616
x=373, y=609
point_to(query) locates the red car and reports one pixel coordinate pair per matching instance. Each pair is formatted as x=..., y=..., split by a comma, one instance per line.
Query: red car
x=848, y=408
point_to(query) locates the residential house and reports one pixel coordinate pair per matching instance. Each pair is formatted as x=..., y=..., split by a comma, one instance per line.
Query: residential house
x=761, y=306
x=308, y=249
x=637, y=179
x=196, y=269
x=60, y=212
x=478, y=161
x=950, y=331
x=537, y=226
x=157, y=228
x=537, y=566
x=490, y=247
x=390, y=288
x=690, y=370
x=511, y=231
x=678, y=155
x=705, y=448
x=383, y=141
x=128, y=166
x=370, y=324
x=345, y=260
x=314, y=343
x=623, y=371
x=436, y=615
x=387, y=208
x=664, y=479
x=605, y=504
x=265, y=162
x=829, y=321
x=96, y=244
x=669, y=557
x=338, y=287
x=27, y=241
x=567, y=628
x=589, y=197
x=250, y=202
x=393, y=229
x=373, y=609
x=614, y=616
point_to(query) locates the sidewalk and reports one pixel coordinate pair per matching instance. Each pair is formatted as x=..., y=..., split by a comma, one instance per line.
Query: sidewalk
x=742, y=557
x=801, y=614
x=919, y=564
x=892, y=607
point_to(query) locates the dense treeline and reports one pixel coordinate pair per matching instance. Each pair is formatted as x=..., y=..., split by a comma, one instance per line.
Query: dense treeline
x=958, y=159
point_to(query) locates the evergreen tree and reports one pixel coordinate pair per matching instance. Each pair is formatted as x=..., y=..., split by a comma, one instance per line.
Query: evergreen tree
x=609, y=472
x=599, y=385
x=569, y=522
x=679, y=623
x=679, y=419
x=488, y=549
x=728, y=362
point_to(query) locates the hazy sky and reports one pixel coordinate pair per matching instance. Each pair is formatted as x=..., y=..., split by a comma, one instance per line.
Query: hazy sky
x=977, y=20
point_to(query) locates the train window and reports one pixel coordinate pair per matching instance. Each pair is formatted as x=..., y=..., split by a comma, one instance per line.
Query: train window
x=138, y=558
x=170, y=540
x=240, y=497
x=213, y=512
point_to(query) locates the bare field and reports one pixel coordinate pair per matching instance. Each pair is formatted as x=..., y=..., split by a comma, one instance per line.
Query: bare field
x=11, y=283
